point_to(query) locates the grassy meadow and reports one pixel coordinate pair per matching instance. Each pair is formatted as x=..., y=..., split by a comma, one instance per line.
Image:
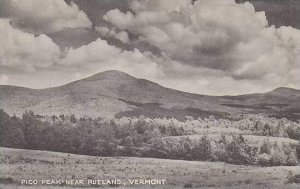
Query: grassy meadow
x=17, y=164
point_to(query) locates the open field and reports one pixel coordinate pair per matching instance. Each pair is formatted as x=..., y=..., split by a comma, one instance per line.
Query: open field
x=16, y=164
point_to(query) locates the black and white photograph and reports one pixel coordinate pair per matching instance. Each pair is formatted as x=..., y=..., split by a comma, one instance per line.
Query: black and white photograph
x=148, y=94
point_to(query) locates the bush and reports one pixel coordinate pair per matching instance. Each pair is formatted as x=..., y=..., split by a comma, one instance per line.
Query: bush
x=264, y=159
x=238, y=152
x=202, y=151
x=277, y=157
x=265, y=147
x=292, y=158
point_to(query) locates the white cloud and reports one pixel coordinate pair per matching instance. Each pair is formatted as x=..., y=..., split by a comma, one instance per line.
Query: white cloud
x=45, y=16
x=100, y=56
x=215, y=34
x=25, y=52
x=111, y=32
x=122, y=36
x=105, y=31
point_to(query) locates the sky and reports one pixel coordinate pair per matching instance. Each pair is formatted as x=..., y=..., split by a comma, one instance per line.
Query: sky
x=213, y=47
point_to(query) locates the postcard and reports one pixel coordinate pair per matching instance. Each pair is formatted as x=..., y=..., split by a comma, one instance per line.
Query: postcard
x=149, y=94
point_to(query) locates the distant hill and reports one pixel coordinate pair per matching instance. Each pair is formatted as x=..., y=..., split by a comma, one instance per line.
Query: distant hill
x=116, y=94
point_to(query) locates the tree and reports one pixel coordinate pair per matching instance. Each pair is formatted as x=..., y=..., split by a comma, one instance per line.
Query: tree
x=219, y=149
x=62, y=117
x=73, y=119
x=280, y=129
x=11, y=133
x=293, y=132
x=265, y=147
x=128, y=146
x=54, y=118
x=202, y=151
x=31, y=135
x=140, y=125
x=292, y=159
x=238, y=152
x=264, y=159
x=267, y=130
x=298, y=150
x=278, y=156
x=186, y=148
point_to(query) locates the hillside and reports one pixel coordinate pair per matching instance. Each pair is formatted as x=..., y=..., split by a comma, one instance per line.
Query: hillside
x=114, y=93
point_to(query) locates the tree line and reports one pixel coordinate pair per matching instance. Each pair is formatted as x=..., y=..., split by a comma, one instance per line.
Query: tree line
x=135, y=137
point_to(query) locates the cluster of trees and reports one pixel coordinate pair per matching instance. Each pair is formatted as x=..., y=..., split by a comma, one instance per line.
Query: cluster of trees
x=252, y=125
x=232, y=149
x=143, y=137
x=11, y=131
x=266, y=126
x=72, y=135
x=259, y=125
x=275, y=154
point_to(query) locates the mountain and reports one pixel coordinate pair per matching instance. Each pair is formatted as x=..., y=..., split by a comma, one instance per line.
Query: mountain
x=115, y=94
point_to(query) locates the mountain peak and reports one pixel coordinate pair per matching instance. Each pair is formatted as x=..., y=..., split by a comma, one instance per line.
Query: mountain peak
x=110, y=75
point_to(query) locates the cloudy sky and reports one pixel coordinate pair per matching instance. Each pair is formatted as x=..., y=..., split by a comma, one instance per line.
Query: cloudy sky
x=215, y=47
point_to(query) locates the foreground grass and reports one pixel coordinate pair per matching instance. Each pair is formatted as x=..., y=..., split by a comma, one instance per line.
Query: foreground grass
x=16, y=164
x=251, y=186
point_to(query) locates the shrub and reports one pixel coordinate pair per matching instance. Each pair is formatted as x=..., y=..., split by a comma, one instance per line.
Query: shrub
x=264, y=159
x=238, y=152
x=266, y=147
x=278, y=157
x=292, y=158
x=202, y=151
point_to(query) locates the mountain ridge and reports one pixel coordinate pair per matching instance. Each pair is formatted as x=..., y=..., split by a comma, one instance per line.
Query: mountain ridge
x=116, y=74
x=115, y=94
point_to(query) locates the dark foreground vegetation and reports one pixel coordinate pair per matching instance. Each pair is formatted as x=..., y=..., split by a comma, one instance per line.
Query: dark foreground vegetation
x=159, y=138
